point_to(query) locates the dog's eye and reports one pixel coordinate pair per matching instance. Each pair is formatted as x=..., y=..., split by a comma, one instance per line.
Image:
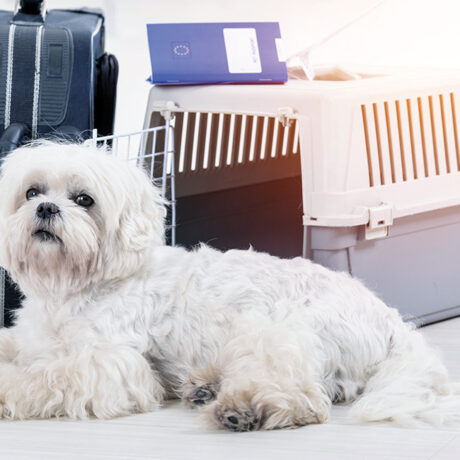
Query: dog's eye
x=84, y=200
x=31, y=193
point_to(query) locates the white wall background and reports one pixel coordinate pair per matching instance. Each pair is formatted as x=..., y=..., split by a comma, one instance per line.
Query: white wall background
x=401, y=32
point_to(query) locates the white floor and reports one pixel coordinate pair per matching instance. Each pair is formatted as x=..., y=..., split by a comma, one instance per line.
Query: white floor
x=178, y=433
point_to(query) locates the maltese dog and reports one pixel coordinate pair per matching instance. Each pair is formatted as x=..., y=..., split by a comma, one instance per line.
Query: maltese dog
x=114, y=321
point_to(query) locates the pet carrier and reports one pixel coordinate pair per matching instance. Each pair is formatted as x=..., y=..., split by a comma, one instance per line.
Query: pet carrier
x=371, y=155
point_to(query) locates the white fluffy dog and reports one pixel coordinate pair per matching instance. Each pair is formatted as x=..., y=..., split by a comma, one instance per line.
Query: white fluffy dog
x=114, y=321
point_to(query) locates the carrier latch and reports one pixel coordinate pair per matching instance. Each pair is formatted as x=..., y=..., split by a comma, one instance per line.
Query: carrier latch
x=380, y=219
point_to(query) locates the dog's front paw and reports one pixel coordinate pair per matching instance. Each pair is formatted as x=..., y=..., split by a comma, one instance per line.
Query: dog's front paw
x=237, y=420
x=200, y=395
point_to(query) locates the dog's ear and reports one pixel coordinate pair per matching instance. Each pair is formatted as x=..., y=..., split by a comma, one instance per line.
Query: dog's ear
x=142, y=218
x=136, y=226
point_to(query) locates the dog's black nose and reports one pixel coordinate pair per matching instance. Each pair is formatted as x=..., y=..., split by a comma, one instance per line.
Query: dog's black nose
x=47, y=210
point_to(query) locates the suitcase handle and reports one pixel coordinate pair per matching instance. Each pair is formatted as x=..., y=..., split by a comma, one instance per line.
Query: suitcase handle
x=12, y=138
x=30, y=8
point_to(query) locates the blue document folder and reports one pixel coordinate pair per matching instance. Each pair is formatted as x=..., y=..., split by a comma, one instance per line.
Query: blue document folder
x=216, y=53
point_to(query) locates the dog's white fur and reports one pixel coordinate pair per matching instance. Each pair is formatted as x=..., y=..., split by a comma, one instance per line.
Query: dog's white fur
x=114, y=321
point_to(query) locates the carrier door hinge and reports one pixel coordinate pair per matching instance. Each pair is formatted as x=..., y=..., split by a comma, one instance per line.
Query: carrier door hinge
x=166, y=109
x=380, y=219
x=285, y=115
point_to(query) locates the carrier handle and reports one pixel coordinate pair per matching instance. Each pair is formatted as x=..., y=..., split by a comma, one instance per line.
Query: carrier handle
x=302, y=58
x=30, y=8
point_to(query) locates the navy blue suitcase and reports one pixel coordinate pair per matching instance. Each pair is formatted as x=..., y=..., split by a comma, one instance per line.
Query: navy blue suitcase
x=56, y=80
x=55, y=76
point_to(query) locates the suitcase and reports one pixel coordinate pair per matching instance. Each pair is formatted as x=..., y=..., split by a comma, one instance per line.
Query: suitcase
x=56, y=80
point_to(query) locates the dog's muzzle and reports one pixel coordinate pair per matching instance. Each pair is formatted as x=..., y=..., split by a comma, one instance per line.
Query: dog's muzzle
x=45, y=213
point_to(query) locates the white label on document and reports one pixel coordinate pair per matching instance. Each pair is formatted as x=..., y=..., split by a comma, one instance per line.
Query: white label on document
x=242, y=50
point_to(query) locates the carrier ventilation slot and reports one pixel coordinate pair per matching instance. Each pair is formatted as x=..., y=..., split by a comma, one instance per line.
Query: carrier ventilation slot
x=208, y=141
x=410, y=139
